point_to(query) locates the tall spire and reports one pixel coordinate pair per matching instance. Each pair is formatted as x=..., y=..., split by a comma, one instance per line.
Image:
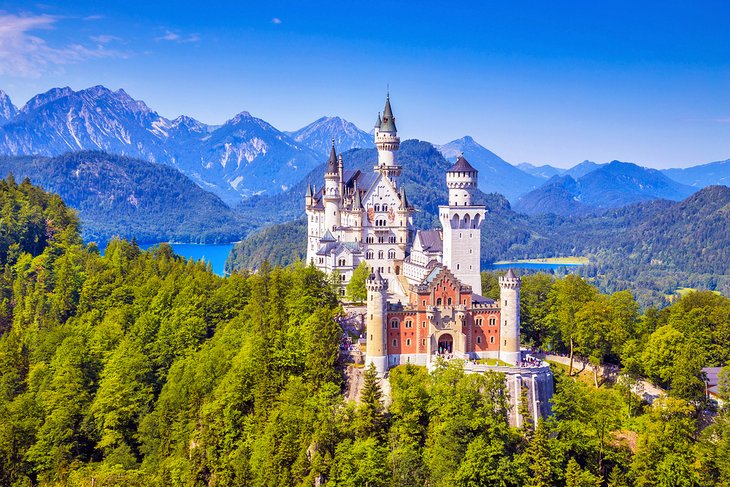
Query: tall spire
x=310, y=193
x=332, y=163
x=357, y=204
x=388, y=123
x=378, y=122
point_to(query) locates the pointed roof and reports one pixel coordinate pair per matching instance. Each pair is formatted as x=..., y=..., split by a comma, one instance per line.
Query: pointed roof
x=403, y=199
x=462, y=165
x=332, y=163
x=378, y=122
x=388, y=123
x=510, y=274
x=328, y=237
x=310, y=193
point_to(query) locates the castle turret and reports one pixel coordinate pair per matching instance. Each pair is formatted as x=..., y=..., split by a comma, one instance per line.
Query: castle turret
x=387, y=142
x=377, y=352
x=461, y=222
x=332, y=183
x=509, y=297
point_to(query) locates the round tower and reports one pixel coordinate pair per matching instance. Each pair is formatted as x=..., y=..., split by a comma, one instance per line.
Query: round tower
x=332, y=191
x=376, y=352
x=509, y=296
x=387, y=142
x=461, y=179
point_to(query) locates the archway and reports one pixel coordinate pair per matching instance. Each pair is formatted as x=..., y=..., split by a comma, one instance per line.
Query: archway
x=397, y=270
x=446, y=344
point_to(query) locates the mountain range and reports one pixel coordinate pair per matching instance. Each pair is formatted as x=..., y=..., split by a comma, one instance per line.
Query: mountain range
x=244, y=156
x=611, y=185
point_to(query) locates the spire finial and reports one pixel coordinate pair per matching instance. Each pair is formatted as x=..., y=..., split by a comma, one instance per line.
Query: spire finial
x=333, y=142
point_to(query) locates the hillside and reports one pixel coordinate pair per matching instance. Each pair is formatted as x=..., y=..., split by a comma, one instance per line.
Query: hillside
x=121, y=196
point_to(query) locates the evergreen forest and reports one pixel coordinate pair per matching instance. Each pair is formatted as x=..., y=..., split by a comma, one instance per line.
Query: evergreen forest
x=140, y=368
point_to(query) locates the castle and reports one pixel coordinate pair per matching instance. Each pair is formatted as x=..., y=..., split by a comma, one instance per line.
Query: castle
x=424, y=292
x=358, y=216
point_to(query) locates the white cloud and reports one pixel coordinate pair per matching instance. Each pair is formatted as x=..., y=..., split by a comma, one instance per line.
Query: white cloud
x=26, y=55
x=176, y=37
x=276, y=20
x=105, y=38
x=723, y=120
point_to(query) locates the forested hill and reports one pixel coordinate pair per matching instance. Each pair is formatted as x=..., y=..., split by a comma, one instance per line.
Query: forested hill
x=121, y=196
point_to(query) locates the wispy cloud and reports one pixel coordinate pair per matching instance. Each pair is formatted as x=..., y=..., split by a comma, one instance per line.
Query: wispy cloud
x=171, y=36
x=27, y=55
x=105, y=38
x=276, y=21
x=723, y=120
x=93, y=17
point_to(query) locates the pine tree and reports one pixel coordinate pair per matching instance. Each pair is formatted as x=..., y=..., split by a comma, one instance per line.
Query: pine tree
x=370, y=417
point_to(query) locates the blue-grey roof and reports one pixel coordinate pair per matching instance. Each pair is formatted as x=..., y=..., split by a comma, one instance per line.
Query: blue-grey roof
x=430, y=240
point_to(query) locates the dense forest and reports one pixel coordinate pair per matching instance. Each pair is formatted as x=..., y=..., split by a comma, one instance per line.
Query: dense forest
x=141, y=368
x=130, y=198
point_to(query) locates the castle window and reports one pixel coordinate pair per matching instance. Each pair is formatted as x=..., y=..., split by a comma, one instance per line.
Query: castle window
x=385, y=207
x=505, y=324
x=394, y=324
x=492, y=321
x=458, y=266
x=505, y=302
x=391, y=239
x=423, y=324
x=391, y=254
x=491, y=339
x=438, y=302
x=408, y=342
x=377, y=207
x=424, y=302
x=479, y=339
x=409, y=324
x=423, y=342
x=505, y=343
x=449, y=302
x=479, y=322
x=380, y=239
x=369, y=254
x=342, y=291
x=380, y=254
x=459, y=234
x=370, y=239
x=395, y=342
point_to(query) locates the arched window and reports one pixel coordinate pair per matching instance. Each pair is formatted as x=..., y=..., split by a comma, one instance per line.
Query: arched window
x=408, y=342
x=377, y=207
x=449, y=301
x=385, y=207
x=380, y=254
x=391, y=254
x=438, y=302
x=394, y=323
x=369, y=254
x=479, y=339
x=370, y=239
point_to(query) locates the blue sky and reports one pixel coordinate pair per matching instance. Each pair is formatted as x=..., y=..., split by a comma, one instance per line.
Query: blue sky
x=543, y=82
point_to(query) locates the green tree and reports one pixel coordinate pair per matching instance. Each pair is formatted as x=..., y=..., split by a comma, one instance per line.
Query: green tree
x=370, y=421
x=356, y=290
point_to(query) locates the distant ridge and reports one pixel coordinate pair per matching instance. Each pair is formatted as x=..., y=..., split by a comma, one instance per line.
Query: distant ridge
x=611, y=185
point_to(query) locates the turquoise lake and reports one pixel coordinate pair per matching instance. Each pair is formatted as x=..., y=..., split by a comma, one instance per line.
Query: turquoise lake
x=529, y=265
x=215, y=254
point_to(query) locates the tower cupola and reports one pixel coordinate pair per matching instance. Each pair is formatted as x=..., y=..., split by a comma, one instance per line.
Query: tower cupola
x=461, y=179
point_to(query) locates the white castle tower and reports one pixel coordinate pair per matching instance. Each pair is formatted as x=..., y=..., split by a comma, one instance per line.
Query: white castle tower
x=461, y=222
x=509, y=296
x=388, y=143
x=332, y=183
x=376, y=353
